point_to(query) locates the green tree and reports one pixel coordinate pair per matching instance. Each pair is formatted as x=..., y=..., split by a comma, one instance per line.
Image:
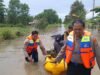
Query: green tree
x=42, y=23
x=2, y=11
x=13, y=11
x=18, y=13
x=67, y=19
x=60, y=21
x=24, y=14
x=96, y=19
x=30, y=18
x=77, y=12
x=96, y=9
x=50, y=15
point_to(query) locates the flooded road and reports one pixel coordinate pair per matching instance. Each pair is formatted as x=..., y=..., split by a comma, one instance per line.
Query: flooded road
x=12, y=57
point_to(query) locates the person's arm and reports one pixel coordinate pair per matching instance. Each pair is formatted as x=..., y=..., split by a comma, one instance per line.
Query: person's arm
x=25, y=45
x=42, y=48
x=97, y=51
x=65, y=36
x=61, y=54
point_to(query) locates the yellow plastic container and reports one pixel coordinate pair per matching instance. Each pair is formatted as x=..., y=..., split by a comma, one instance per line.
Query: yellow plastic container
x=54, y=68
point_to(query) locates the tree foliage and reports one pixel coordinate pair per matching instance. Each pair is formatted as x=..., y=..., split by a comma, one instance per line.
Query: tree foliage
x=13, y=11
x=42, y=23
x=96, y=9
x=77, y=12
x=24, y=14
x=2, y=10
x=18, y=13
x=96, y=20
x=48, y=16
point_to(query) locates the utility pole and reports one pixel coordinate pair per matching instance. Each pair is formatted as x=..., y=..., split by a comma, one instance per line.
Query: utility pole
x=93, y=8
x=93, y=13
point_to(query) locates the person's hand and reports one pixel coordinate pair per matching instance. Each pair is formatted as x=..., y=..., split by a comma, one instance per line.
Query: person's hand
x=26, y=58
x=29, y=58
x=44, y=53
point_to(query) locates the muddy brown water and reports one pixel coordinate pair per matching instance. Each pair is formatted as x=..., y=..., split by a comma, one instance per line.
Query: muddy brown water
x=12, y=57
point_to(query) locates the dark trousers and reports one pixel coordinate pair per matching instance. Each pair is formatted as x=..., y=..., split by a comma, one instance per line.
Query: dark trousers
x=77, y=69
x=34, y=56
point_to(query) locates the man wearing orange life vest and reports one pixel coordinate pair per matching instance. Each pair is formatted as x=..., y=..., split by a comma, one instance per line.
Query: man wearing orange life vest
x=30, y=47
x=80, y=49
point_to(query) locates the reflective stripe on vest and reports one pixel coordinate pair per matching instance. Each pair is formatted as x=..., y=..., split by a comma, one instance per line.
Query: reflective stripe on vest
x=32, y=45
x=86, y=52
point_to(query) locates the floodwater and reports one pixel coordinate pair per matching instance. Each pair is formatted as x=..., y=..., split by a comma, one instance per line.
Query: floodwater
x=12, y=57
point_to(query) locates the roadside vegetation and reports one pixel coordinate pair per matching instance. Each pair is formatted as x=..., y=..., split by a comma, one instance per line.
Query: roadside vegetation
x=79, y=12
x=7, y=33
x=14, y=19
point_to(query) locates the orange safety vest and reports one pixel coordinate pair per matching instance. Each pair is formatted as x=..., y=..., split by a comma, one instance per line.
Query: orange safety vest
x=86, y=51
x=87, y=33
x=32, y=45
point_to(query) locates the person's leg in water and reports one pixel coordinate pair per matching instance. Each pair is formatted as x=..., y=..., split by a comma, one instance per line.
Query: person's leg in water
x=35, y=56
x=27, y=59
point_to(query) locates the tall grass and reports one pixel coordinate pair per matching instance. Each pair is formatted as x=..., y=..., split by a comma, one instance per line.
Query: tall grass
x=13, y=32
x=7, y=35
x=11, y=25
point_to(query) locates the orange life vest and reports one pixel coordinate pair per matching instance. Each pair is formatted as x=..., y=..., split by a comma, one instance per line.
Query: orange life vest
x=86, y=51
x=87, y=33
x=32, y=45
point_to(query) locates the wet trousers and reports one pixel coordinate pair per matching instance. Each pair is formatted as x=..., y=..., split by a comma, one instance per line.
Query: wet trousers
x=77, y=69
x=34, y=55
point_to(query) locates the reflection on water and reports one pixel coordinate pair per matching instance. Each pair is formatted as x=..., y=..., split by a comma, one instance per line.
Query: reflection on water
x=12, y=57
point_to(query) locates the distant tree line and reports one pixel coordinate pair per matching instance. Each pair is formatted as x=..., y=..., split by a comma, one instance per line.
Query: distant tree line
x=16, y=13
x=47, y=17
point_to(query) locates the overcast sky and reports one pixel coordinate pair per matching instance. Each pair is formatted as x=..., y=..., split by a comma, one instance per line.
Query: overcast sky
x=62, y=7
